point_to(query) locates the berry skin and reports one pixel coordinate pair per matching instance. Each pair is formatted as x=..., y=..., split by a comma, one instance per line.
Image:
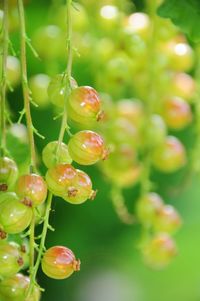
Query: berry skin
x=10, y=260
x=61, y=178
x=84, y=105
x=32, y=188
x=59, y=262
x=147, y=208
x=170, y=156
x=14, y=289
x=8, y=173
x=87, y=148
x=159, y=251
x=50, y=156
x=177, y=113
x=82, y=189
x=183, y=85
x=38, y=85
x=167, y=220
x=15, y=217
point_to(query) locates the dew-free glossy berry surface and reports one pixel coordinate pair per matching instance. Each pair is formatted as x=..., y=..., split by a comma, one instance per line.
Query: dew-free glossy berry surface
x=52, y=155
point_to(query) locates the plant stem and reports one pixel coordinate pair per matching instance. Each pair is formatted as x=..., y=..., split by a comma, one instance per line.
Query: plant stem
x=3, y=79
x=26, y=92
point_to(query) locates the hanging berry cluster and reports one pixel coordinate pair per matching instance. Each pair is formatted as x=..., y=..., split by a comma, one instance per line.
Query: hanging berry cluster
x=25, y=199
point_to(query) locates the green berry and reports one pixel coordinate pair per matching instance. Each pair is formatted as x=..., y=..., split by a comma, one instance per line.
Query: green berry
x=167, y=220
x=52, y=155
x=8, y=173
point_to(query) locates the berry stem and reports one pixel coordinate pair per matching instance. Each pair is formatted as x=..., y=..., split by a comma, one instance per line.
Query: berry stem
x=3, y=79
x=26, y=92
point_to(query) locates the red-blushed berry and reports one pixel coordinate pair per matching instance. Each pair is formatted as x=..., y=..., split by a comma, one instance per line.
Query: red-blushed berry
x=84, y=105
x=82, y=189
x=177, y=113
x=167, y=220
x=183, y=85
x=15, y=216
x=15, y=288
x=8, y=173
x=32, y=189
x=52, y=154
x=147, y=208
x=61, y=178
x=10, y=259
x=59, y=262
x=57, y=90
x=132, y=110
x=159, y=251
x=87, y=148
x=170, y=156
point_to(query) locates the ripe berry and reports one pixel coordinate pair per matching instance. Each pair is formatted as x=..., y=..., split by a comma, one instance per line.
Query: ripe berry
x=10, y=259
x=15, y=217
x=84, y=105
x=147, y=208
x=59, y=262
x=87, y=148
x=170, y=156
x=51, y=157
x=132, y=110
x=60, y=178
x=8, y=173
x=167, y=220
x=159, y=251
x=32, y=188
x=177, y=113
x=82, y=189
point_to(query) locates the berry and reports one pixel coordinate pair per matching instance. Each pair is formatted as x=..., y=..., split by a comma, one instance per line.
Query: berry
x=82, y=189
x=38, y=85
x=15, y=217
x=10, y=259
x=132, y=110
x=32, y=188
x=183, y=85
x=138, y=23
x=177, y=113
x=59, y=262
x=61, y=178
x=8, y=173
x=170, y=156
x=159, y=251
x=87, y=148
x=84, y=105
x=13, y=70
x=167, y=220
x=50, y=156
x=147, y=208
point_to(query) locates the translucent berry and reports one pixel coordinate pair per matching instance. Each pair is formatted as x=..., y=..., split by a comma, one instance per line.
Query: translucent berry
x=38, y=85
x=170, y=156
x=159, y=251
x=15, y=216
x=138, y=23
x=13, y=70
x=8, y=173
x=167, y=220
x=32, y=188
x=52, y=155
x=84, y=105
x=61, y=178
x=183, y=85
x=87, y=148
x=59, y=262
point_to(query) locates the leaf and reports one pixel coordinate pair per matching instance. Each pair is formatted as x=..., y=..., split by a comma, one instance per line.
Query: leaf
x=185, y=14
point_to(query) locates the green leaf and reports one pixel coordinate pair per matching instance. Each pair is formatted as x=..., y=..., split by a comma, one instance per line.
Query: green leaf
x=185, y=14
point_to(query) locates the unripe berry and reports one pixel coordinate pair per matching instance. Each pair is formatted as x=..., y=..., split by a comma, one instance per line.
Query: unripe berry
x=8, y=173
x=183, y=85
x=132, y=110
x=15, y=216
x=138, y=23
x=87, y=148
x=177, y=113
x=38, y=85
x=52, y=155
x=59, y=262
x=10, y=260
x=147, y=208
x=167, y=220
x=13, y=70
x=61, y=178
x=84, y=105
x=159, y=251
x=170, y=156
x=32, y=188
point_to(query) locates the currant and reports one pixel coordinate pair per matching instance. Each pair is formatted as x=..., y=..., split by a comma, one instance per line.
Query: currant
x=167, y=220
x=8, y=173
x=183, y=85
x=53, y=154
x=138, y=23
x=87, y=148
x=38, y=85
x=13, y=70
x=32, y=188
x=59, y=262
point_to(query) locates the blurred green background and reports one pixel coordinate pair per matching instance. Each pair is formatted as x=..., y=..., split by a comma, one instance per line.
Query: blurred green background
x=111, y=269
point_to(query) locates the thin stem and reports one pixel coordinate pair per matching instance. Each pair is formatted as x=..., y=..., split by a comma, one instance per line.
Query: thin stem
x=32, y=242
x=26, y=92
x=3, y=78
